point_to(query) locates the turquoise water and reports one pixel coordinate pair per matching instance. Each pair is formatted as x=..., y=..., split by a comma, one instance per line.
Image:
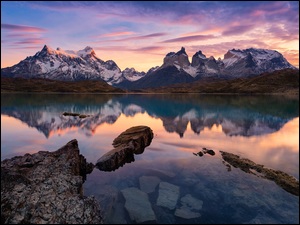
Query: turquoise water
x=168, y=183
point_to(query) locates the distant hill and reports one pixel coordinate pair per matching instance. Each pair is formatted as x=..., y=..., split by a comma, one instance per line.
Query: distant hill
x=46, y=85
x=284, y=81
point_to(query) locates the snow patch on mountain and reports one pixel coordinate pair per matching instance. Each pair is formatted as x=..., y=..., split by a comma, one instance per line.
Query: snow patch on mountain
x=191, y=71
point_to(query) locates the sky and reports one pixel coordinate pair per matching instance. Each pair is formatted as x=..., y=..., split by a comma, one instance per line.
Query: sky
x=139, y=34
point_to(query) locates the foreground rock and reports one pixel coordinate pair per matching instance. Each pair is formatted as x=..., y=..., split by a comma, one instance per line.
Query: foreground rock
x=130, y=142
x=282, y=179
x=46, y=187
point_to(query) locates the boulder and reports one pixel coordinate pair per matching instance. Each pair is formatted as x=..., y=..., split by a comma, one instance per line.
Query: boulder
x=138, y=136
x=130, y=142
x=46, y=187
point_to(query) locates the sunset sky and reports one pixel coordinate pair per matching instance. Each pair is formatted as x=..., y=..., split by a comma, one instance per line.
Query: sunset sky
x=140, y=34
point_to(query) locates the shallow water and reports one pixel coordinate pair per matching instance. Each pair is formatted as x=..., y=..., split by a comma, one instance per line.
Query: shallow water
x=264, y=129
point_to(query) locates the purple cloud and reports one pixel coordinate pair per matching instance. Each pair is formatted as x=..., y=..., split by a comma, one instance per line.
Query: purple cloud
x=190, y=38
x=141, y=37
x=237, y=30
x=13, y=27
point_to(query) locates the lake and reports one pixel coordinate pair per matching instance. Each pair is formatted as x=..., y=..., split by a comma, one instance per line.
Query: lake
x=169, y=182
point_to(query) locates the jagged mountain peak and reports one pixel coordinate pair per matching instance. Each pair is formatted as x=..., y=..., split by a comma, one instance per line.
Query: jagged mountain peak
x=86, y=51
x=182, y=51
x=179, y=59
x=47, y=49
x=199, y=54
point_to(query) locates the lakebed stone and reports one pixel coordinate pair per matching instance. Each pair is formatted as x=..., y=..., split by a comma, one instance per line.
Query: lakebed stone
x=168, y=195
x=138, y=205
x=46, y=187
x=148, y=183
x=190, y=207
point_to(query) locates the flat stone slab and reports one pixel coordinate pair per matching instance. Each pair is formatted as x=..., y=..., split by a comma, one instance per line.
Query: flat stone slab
x=148, y=183
x=168, y=195
x=138, y=205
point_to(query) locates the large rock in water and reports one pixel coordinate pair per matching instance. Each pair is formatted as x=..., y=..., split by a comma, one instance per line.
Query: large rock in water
x=46, y=187
x=130, y=142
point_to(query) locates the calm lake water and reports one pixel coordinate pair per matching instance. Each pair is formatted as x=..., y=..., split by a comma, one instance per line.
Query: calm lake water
x=168, y=183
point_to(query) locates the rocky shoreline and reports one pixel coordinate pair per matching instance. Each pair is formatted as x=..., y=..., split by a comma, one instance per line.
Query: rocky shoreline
x=46, y=187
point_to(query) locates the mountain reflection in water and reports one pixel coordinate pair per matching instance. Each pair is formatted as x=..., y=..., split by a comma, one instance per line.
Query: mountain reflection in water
x=237, y=115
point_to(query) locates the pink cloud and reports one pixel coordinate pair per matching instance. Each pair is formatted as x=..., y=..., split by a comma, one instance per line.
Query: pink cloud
x=149, y=49
x=116, y=34
x=21, y=28
x=142, y=37
x=31, y=41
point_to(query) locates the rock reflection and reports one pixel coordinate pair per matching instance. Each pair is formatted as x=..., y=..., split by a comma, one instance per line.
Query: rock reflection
x=130, y=142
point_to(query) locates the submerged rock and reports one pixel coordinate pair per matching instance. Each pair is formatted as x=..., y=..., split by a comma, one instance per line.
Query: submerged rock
x=148, y=183
x=130, y=142
x=190, y=207
x=168, y=195
x=46, y=187
x=138, y=205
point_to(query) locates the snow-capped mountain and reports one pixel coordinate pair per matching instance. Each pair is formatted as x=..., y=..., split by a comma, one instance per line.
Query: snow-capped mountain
x=71, y=65
x=253, y=61
x=176, y=67
x=65, y=65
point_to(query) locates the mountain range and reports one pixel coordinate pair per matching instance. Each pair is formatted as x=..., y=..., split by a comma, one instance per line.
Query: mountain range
x=69, y=65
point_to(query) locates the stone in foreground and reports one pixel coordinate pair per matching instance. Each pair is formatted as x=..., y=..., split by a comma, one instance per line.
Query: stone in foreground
x=130, y=142
x=46, y=187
